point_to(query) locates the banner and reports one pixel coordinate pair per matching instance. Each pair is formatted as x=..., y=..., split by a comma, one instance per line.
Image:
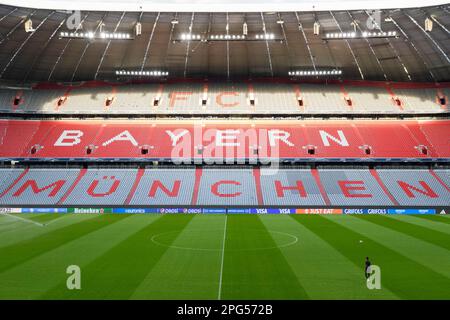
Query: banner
x=201, y=210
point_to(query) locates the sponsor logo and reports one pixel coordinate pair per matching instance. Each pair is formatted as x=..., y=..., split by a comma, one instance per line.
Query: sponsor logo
x=319, y=211
x=90, y=210
x=366, y=211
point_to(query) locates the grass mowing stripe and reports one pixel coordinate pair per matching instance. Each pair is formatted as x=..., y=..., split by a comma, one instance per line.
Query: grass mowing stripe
x=118, y=272
x=435, y=237
x=322, y=270
x=190, y=267
x=254, y=268
x=429, y=224
x=42, y=217
x=11, y=223
x=402, y=276
x=8, y=224
x=48, y=217
x=17, y=253
x=33, y=217
x=60, y=217
x=422, y=252
x=23, y=220
x=31, y=279
x=20, y=231
x=222, y=256
x=437, y=218
x=7, y=221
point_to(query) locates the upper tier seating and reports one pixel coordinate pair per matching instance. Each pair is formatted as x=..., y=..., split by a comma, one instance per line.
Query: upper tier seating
x=223, y=98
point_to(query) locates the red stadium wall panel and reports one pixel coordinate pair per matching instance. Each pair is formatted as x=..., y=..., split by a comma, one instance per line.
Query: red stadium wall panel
x=216, y=140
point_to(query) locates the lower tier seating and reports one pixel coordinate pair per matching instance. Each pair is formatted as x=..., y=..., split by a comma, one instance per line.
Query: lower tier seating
x=225, y=187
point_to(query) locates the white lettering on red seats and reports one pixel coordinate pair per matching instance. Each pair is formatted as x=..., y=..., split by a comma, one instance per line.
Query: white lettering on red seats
x=215, y=189
x=224, y=135
x=279, y=135
x=342, y=140
x=157, y=184
x=123, y=136
x=298, y=187
x=55, y=186
x=112, y=189
x=175, y=137
x=348, y=186
x=427, y=191
x=69, y=138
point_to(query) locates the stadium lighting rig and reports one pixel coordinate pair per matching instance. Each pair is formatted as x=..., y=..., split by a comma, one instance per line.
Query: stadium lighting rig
x=313, y=73
x=265, y=36
x=428, y=25
x=29, y=26
x=360, y=35
x=227, y=37
x=316, y=28
x=245, y=29
x=142, y=73
x=212, y=37
x=94, y=35
x=138, y=29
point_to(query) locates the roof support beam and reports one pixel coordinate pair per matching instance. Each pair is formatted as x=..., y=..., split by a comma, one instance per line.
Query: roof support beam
x=64, y=49
x=267, y=44
x=429, y=37
x=85, y=49
x=38, y=56
x=300, y=26
x=188, y=45
x=349, y=47
x=23, y=44
x=107, y=47
x=419, y=54
x=370, y=46
x=17, y=26
x=433, y=17
x=144, y=60
x=396, y=53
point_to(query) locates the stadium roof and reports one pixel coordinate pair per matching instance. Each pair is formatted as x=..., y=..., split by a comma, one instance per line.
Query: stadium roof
x=43, y=55
x=219, y=5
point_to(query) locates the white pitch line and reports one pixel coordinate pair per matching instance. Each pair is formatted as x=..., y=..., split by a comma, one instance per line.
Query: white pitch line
x=223, y=254
x=23, y=219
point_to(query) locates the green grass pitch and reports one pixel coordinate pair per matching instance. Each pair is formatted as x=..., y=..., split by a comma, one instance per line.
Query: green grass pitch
x=224, y=257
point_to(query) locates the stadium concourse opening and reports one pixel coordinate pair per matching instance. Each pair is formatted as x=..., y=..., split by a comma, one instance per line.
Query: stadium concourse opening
x=285, y=150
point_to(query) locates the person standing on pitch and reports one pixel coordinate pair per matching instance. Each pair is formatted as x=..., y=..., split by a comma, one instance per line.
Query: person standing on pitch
x=367, y=268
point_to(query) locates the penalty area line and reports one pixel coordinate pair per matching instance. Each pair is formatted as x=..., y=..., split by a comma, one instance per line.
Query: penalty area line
x=223, y=254
x=23, y=219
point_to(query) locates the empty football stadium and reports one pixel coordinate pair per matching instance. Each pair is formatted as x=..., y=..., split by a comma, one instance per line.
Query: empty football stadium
x=284, y=150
